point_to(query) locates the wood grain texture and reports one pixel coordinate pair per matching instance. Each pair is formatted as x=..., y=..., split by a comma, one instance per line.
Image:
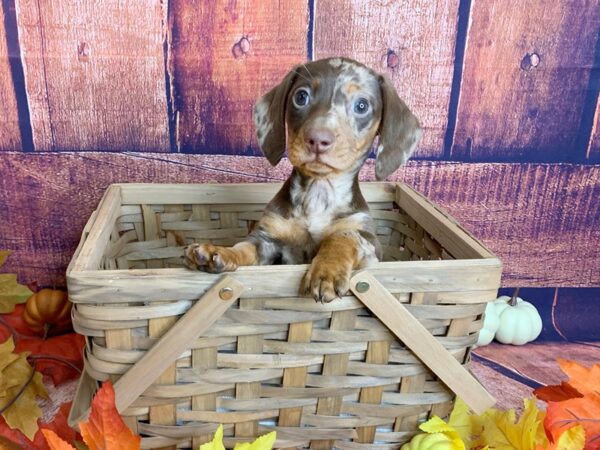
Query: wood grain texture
x=411, y=42
x=222, y=56
x=537, y=360
x=540, y=219
x=10, y=136
x=95, y=74
x=593, y=148
x=525, y=74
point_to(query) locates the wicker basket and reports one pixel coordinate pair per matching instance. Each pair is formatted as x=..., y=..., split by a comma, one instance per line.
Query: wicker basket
x=360, y=372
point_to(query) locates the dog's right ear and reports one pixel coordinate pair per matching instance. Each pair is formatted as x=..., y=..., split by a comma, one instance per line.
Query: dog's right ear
x=269, y=119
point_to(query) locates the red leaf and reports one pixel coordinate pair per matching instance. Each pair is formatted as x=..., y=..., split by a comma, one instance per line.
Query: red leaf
x=558, y=393
x=105, y=429
x=66, y=346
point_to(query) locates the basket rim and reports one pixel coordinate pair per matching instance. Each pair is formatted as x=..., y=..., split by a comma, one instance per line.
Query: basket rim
x=96, y=233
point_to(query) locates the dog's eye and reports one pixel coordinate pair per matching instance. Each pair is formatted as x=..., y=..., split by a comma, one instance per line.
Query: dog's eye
x=301, y=98
x=361, y=106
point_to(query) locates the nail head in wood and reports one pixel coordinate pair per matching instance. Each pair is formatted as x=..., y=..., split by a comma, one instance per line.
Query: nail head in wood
x=362, y=286
x=226, y=293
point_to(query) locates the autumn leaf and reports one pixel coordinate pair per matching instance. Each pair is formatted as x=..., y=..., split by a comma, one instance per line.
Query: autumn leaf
x=580, y=377
x=585, y=411
x=501, y=430
x=11, y=292
x=105, y=429
x=55, y=442
x=557, y=393
x=16, y=376
x=3, y=255
x=466, y=423
x=572, y=439
x=265, y=442
x=216, y=443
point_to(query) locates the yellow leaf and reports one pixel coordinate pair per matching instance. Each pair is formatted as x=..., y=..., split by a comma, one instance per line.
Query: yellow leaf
x=467, y=424
x=265, y=442
x=572, y=439
x=216, y=443
x=15, y=372
x=3, y=255
x=502, y=433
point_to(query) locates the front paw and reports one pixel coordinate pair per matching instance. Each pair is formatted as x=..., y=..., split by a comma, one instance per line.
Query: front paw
x=327, y=280
x=209, y=258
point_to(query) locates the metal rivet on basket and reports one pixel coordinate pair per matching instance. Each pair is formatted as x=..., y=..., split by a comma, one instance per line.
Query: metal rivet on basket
x=226, y=293
x=362, y=286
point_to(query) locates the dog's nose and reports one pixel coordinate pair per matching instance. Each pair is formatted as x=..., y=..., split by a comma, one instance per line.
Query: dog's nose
x=319, y=140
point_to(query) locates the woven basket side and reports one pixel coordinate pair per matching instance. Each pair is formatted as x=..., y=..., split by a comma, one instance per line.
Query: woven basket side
x=152, y=236
x=321, y=375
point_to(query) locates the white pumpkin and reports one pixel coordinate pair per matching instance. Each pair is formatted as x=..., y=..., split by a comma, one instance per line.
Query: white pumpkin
x=491, y=322
x=519, y=323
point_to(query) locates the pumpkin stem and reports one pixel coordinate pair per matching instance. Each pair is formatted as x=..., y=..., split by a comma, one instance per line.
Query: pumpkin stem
x=47, y=327
x=513, y=298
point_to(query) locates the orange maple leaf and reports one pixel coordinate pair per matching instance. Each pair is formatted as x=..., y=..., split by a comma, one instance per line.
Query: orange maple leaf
x=55, y=442
x=580, y=377
x=105, y=429
x=585, y=411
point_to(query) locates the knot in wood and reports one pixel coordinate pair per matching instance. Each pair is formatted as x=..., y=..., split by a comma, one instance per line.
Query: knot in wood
x=530, y=61
x=83, y=52
x=241, y=47
x=392, y=59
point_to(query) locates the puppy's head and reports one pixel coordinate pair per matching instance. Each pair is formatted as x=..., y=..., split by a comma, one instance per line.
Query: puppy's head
x=332, y=110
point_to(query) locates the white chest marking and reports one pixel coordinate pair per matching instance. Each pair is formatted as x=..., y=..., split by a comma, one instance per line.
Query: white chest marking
x=321, y=202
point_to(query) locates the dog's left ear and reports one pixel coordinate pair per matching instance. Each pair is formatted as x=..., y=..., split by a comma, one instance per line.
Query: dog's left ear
x=399, y=132
x=269, y=119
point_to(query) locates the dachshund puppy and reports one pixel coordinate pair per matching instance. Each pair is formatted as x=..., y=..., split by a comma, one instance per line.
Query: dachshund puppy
x=328, y=112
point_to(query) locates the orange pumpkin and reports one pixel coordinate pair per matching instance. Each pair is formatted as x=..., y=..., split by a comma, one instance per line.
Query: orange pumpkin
x=48, y=311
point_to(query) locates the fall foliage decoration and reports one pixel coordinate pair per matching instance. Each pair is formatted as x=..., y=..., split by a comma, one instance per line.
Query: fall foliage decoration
x=66, y=349
x=48, y=311
x=20, y=384
x=573, y=404
x=11, y=292
x=571, y=420
x=265, y=442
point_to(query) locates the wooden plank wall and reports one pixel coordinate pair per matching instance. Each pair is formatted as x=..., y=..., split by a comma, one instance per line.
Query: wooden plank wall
x=106, y=92
x=10, y=137
x=95, y=80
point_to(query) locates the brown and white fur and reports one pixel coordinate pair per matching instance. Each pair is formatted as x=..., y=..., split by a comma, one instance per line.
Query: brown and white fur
x=330, y=111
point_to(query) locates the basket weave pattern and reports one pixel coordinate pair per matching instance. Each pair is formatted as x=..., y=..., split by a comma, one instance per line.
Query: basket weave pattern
x=274, y=361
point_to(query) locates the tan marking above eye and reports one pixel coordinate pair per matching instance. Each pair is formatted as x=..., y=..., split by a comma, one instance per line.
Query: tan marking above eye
x=316, y=83
x=351, y=88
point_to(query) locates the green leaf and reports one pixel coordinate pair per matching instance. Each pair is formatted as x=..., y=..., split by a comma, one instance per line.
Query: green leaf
x=15, y=372
x=11, y=292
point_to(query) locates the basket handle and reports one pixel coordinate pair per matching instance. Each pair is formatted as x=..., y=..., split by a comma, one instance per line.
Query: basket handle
x=417, y=338
x=169, y=347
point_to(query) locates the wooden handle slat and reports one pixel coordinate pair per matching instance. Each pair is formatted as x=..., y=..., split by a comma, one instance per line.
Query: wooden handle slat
x=190, y=326
x=416, y=337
